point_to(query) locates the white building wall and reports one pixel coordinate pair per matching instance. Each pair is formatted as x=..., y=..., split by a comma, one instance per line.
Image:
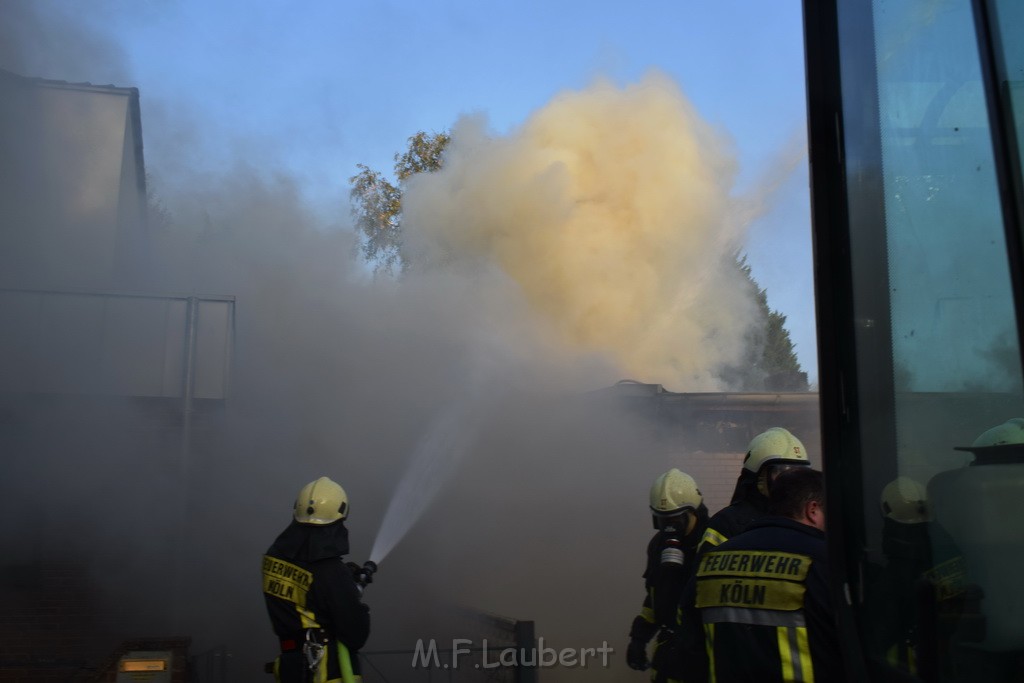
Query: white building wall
x=63, y=184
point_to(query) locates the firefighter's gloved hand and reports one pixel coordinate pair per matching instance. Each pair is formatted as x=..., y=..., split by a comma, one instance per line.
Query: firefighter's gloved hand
x=636, y=655
x=354, y=568
x=364, y=578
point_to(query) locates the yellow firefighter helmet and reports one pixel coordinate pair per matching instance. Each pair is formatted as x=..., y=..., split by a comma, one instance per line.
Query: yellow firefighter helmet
x=674, y=493
x=1010, y=433
x=776, y=446
x=321, y=502
x=906, y=501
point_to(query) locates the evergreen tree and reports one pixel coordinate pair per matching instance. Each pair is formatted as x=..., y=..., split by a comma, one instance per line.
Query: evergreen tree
x=775, y=360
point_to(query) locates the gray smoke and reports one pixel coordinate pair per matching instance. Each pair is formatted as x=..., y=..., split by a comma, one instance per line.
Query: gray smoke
x=337, y=373
x=342, y=375
x=40, y=38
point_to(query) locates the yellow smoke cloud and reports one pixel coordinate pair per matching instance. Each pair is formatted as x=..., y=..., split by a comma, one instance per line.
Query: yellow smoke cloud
x=609, y=208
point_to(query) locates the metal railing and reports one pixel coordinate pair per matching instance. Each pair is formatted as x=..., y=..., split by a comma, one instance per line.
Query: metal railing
x=210, y=666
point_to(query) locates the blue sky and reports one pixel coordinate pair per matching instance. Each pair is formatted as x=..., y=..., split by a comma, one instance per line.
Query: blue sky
x=313, y=88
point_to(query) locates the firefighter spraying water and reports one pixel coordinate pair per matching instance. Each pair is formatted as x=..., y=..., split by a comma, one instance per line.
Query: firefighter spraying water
x=313, y=597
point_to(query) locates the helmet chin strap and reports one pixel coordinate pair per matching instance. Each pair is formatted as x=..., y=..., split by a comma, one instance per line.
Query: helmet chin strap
x=762, y=482
x=691, y=522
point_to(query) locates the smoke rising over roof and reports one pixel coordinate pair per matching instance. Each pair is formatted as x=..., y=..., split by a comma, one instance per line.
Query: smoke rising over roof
x=38, y=39
x=339, y=374
x=609, y=211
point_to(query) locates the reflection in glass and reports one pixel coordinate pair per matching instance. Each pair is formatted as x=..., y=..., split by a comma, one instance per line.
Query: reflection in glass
x=942, y=597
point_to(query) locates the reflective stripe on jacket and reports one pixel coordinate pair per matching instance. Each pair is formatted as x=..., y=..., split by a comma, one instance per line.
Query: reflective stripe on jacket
x=764, y=600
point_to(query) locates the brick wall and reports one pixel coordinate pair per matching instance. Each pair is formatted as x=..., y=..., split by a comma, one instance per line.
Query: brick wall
x=716, y=476
x=54, y=629
x=47, y=624
x=711, y=450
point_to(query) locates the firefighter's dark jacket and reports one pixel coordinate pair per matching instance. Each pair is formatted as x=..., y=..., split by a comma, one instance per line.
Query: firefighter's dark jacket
x=747, y=506
x=322, y=594
x=923, y=588
x=764, y=602
x=664, y=584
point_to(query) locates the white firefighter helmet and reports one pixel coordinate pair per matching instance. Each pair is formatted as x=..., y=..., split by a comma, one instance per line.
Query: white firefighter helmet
x=775, y=446
x=1010, y=433
x=674, y=493
x=321, y=502
x=906, y=501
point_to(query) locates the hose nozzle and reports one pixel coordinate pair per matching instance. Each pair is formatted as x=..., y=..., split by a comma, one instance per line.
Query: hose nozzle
x=365, y=574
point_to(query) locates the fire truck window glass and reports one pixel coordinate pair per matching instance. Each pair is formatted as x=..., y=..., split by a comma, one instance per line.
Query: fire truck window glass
x=943, y=595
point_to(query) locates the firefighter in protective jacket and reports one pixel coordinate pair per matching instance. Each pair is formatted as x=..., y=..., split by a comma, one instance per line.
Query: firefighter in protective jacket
x=313, y=600
x=679, y=515
x=770, y=453
x=763, y=597
x=922, y=585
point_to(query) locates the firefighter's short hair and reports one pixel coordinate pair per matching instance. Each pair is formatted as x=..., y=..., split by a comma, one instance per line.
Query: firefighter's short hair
x=793, y=489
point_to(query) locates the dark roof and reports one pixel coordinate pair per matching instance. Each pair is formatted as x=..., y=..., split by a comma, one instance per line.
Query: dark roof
x=67, y=85
x=710, y=401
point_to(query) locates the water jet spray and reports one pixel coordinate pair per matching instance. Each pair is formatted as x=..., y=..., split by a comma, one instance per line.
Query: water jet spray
x=435, y=458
